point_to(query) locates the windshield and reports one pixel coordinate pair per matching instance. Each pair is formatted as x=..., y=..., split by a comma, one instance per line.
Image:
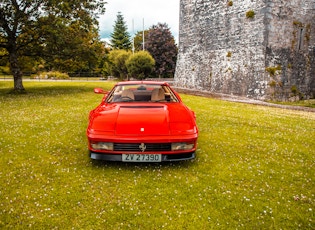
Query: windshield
x=142, y=93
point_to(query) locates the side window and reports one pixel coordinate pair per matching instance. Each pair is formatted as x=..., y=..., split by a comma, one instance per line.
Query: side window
x=116, y=95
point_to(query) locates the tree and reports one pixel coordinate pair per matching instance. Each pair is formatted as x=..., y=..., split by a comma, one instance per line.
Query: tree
x=68, y=53
x=140, y=65
x=160, y=43
x=120, y=38
x=117, y=63
x=24, y=23
x=138, y=39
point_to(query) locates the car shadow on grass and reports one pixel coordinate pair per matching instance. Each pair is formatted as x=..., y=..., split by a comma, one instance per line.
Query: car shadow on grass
x=46, y=91
x=132, y=165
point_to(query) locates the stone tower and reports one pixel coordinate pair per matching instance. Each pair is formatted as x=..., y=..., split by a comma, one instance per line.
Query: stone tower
x=262, y=49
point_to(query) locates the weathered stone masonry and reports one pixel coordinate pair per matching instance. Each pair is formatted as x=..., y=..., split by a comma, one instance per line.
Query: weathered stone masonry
x=269, y=55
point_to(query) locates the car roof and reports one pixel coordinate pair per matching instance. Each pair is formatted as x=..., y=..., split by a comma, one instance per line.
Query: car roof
x=142, y=82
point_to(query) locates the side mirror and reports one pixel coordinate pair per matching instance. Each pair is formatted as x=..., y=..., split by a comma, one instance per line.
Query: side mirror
x=100, y=91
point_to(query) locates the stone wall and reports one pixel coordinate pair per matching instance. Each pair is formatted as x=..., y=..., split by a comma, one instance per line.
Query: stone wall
x=270, y=55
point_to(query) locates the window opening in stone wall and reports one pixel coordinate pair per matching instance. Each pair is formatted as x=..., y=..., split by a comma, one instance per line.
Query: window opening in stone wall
x=300, y=40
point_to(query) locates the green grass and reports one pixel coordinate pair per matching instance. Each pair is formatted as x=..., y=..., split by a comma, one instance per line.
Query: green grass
x=304, y=103
x=254, y=168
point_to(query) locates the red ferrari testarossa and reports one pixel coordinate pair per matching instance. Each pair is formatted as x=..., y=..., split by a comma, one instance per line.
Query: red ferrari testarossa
x=142, y=121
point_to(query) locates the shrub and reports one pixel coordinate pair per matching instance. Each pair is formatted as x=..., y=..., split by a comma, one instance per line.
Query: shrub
x=272, y=70
x=230, y=3
x=297, y=23
x=294, y=90
x=140, y=65
x=117, y=63
x=250, y=14
x=272, y=83
x=53, y=75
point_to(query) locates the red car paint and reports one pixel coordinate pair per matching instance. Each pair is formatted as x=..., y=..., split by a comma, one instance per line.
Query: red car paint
x=144, y=126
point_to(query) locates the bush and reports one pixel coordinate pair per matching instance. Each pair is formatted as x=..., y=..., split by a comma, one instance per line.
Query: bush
x=117, y=63
x=140, y=65
x=273, y=70
x=53, y=75
x=294, y=89
x=250, y=14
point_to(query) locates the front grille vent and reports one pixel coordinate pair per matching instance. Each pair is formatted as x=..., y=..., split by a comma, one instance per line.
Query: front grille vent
x=149, y=147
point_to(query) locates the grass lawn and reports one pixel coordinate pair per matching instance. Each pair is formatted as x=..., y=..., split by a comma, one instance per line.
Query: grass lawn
x=305, y=103
x=255, y=168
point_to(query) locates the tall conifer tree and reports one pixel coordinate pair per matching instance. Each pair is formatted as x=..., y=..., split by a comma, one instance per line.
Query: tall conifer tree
x=120, y=38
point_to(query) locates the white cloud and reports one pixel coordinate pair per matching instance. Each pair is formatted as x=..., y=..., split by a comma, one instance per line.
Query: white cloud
x=135, y=12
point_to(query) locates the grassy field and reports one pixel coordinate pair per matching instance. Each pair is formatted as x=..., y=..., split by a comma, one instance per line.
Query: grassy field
x=304, y=103
x=254, y=168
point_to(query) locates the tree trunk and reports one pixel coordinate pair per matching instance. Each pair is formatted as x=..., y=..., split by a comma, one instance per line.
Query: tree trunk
x=16, y=72
x=18, y=83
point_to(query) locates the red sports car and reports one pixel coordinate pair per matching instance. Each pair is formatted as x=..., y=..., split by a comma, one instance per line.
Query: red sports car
x=142, y=121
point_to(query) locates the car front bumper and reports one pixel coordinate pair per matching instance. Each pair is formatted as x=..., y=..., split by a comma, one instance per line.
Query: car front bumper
x=165, y=157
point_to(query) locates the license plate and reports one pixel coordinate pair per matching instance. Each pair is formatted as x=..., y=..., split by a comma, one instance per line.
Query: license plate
x=141, y=157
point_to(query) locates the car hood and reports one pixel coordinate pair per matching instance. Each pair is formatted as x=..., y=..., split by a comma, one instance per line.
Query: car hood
x=141, y=119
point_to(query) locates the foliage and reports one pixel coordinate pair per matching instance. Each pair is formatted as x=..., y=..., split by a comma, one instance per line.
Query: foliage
x=3, y=56
x=297, y=23
x=120, y=38
x=294, y=90
x=53, y=75
x=138, y=39
x=254, y=163
x=273, y=83
x=24, y=26
x=250, y=14
x=4, y=70
x=273, y=70
x=140, y=65
x=160, y=43
x=117, y=63
x=69, y=53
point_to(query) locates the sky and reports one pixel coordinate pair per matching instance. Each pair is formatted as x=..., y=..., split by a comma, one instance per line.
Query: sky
x=139, y=14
